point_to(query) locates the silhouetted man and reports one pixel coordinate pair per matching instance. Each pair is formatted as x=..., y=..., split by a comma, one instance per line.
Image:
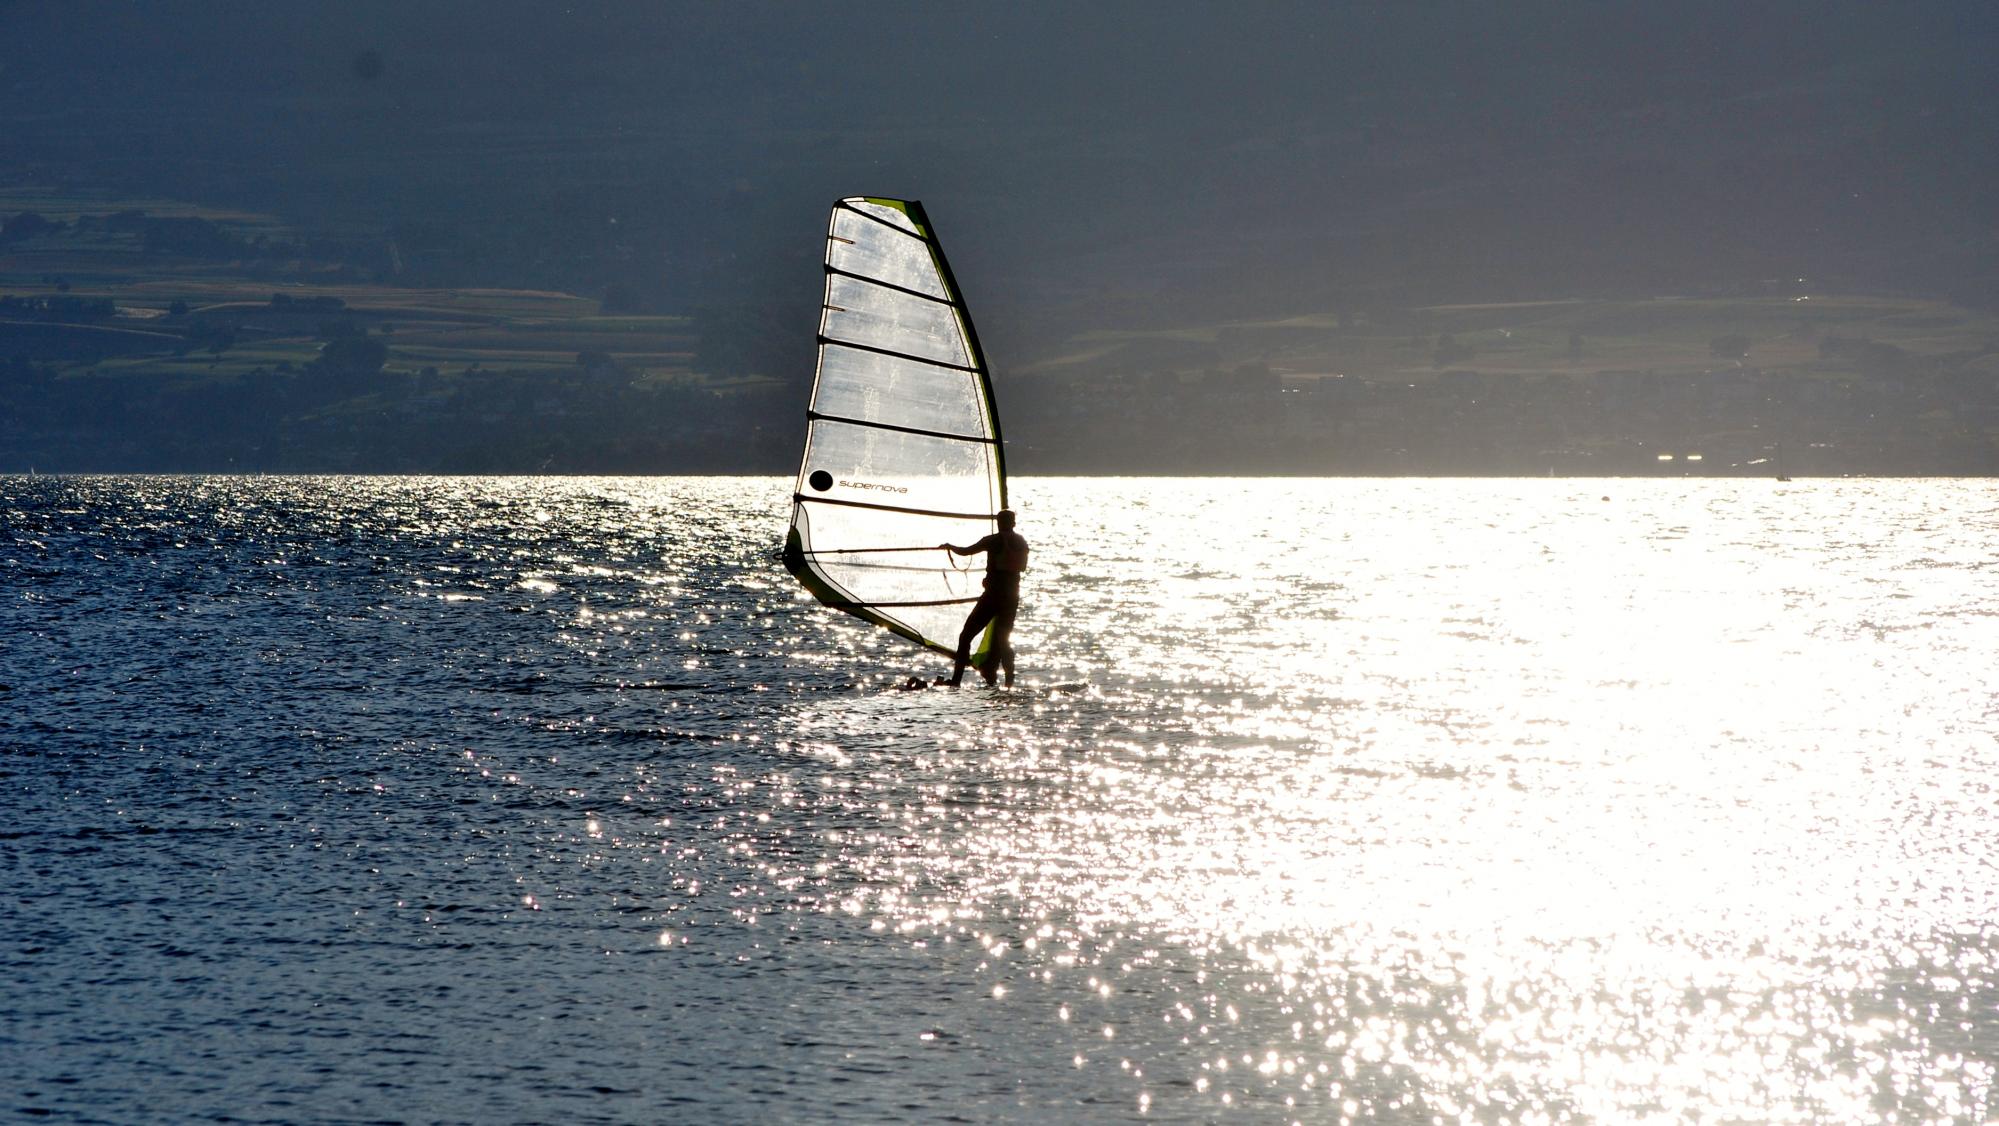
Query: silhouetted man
x=1006, y=558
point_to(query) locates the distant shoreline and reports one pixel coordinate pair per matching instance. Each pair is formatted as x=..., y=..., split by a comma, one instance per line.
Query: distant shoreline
x=215, y=342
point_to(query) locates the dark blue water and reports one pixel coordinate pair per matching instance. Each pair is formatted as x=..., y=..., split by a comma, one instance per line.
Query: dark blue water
x=314, y=794
x=467, y=800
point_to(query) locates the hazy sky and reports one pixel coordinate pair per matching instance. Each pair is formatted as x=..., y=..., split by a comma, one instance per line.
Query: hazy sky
x=1197, y=155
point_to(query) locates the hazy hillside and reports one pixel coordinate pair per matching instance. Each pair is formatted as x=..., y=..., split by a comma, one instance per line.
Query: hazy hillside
x=213, y=341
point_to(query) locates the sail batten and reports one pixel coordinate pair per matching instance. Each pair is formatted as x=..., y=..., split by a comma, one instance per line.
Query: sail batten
x=877, y=216
x=817, y=417
x=903, y=449
x=898, y=355
x=801, y=498
x=880, y=284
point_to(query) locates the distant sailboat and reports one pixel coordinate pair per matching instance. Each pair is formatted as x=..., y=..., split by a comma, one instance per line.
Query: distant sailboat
x=902, y=441
x=1777, y=463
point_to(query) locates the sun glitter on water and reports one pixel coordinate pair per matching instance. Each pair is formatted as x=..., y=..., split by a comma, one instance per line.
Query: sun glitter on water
x=1545, y=802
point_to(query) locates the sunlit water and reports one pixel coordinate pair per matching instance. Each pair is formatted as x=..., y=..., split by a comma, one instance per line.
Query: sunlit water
x=1405, y=801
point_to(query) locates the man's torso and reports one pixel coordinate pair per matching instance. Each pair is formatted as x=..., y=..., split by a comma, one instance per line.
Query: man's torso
x=1005, y=552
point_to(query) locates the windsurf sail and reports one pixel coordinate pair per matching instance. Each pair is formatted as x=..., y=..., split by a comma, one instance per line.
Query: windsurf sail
x=902, y=441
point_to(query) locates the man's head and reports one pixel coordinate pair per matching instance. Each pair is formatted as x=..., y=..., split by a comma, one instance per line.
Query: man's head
x=1005, y=518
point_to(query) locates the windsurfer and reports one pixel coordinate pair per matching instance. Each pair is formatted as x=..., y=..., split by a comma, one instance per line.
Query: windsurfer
x=1006, y=557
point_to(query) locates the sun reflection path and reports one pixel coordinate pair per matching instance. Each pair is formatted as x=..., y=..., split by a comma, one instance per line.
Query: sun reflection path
x=1638, y=811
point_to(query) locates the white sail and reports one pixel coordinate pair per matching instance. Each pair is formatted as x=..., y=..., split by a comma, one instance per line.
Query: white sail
x=902, y=447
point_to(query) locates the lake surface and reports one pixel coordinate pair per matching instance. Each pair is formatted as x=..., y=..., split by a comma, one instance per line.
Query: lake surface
x=511, y=800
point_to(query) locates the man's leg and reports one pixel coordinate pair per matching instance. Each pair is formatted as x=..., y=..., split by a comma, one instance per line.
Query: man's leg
x=981, y=615
x=999, y=654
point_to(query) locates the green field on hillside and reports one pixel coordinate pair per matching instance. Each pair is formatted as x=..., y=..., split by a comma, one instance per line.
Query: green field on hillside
x=117, y=250
x=1661, y=336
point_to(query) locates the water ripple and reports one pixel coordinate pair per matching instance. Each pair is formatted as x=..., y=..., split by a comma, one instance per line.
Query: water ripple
x=534, y=799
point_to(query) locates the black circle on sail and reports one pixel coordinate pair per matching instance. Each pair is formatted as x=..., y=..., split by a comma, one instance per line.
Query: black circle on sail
x=820, y=480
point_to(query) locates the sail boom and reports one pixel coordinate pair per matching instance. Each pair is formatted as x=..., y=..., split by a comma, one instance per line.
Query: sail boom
x=936, y=602
x=866, y=550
